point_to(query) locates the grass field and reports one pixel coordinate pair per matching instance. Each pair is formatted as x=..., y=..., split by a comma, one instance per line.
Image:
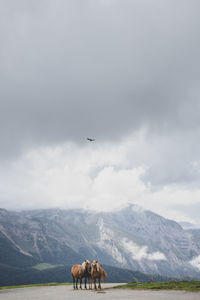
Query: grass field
x=45, y=266
x=33, y=285
x=192, y=286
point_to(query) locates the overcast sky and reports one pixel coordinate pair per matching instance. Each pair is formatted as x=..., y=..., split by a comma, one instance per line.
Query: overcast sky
x=126, y=72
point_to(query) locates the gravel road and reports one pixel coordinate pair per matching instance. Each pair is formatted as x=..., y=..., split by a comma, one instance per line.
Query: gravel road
x=67, y=293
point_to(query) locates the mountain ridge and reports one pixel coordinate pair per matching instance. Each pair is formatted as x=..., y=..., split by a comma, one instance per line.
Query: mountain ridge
x=132, y=238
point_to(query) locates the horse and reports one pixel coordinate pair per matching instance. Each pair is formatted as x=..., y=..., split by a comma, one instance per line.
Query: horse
x=97, y=272
x=79, y=272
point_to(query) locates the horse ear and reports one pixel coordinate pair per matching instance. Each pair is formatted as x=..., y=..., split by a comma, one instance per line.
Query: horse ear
x=96, y=261
x=85, y=260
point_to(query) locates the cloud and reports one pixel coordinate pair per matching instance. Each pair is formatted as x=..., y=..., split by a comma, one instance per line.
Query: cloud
x=98, y=178
x=139, y=253
x=124, y=72
x=69, y=177
x=195, y=262
x=71, y=69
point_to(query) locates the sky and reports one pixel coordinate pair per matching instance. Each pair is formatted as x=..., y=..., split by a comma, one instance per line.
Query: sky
x=125, y=72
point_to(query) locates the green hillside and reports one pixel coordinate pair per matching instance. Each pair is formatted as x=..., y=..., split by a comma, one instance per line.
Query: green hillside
x=16, y=276
x=11, y=256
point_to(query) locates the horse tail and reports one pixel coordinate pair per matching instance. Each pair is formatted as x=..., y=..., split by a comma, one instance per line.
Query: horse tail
x=103, y=275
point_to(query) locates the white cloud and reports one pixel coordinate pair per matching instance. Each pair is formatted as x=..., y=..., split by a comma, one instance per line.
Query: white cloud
x=195, y=262
x=139, y=253
x=67, y=176
x=97, y=176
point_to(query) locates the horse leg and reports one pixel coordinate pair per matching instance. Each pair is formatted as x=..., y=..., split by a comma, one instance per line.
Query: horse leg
x=86, y=283
x=99, y=286
x=80, y=283
x=95, y=284
x=77, y=283
x=73, y=282
x=90, y=283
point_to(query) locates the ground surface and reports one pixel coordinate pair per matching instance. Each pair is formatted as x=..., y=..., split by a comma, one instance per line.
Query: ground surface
x=67, y=293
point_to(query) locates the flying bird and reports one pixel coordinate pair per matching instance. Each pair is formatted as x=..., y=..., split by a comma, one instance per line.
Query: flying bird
x=91, y=140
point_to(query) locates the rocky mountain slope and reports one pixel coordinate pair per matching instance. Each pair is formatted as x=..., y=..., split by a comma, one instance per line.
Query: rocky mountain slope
x=131, y=238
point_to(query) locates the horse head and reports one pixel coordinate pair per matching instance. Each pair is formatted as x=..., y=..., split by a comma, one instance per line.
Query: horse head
x=95, y=265
x=86, y=266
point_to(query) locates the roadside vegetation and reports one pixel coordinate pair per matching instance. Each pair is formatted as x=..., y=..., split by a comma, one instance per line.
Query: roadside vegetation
x=192, y=286
x=33, y=285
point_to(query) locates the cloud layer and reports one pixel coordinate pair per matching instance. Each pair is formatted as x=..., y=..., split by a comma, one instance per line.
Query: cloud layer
x=124, y=72
x=70, y=69
x=139, y=253
x=97, y=177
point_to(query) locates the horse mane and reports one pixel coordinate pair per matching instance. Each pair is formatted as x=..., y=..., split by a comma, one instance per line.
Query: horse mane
x=83, y=265
x=98, y=267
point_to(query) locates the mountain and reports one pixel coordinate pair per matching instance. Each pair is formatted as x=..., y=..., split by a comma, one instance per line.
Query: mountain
x=132, y=238
x=195, y=235
x=10, y=255
x=188, y=225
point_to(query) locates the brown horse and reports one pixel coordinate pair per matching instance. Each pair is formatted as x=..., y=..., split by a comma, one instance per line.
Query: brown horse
x=97, y=272
x=79, y=272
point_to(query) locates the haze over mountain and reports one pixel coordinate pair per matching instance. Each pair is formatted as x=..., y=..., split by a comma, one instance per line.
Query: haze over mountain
x=131, y=238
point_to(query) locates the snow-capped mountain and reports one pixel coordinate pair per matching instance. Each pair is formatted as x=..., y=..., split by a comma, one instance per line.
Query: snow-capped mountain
x=131, y=238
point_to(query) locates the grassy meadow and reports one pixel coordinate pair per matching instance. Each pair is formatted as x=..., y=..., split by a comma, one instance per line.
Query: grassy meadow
x=34, y=285
x=192, y=286
x=45, y=266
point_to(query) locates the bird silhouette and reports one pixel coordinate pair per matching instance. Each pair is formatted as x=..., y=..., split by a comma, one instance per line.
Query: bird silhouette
x=91, y=140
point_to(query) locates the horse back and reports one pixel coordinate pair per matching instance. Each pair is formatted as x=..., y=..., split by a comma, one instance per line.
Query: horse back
x=76, y=271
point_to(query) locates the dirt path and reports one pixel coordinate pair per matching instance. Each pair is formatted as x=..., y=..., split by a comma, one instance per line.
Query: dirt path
x=67, y=293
